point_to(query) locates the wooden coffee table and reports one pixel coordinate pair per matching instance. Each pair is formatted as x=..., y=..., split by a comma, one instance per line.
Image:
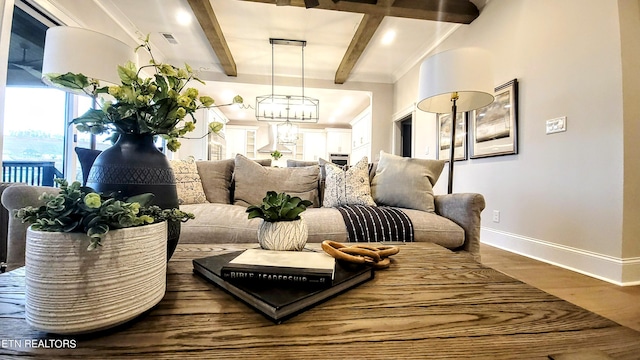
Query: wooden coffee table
x=431, y=303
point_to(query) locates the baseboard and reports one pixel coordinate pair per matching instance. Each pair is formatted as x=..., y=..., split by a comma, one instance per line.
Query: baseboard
x=622, y=272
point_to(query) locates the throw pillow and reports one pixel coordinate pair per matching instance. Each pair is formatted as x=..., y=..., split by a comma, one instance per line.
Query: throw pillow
x=188, y=184
x=216, y=179
x=406, y=182
x=300, y=163
x=350, y=187
x=252, y=181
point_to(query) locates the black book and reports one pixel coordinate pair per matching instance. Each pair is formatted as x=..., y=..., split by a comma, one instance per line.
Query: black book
x=279, y=301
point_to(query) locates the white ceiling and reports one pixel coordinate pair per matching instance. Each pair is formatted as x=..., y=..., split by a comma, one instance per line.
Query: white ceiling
x=247, y=27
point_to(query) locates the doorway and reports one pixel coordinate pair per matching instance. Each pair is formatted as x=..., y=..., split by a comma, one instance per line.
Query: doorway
x=405, y=135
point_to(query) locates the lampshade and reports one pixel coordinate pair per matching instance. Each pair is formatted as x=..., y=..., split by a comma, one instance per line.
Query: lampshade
x=76, y=50
x=466, y=71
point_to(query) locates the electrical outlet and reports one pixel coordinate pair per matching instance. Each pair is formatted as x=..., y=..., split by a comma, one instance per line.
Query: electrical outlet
x=556, y=125
x=496, y=216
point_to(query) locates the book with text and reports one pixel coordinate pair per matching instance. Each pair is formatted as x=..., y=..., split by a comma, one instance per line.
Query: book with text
x=279, y=301
x=298, y=267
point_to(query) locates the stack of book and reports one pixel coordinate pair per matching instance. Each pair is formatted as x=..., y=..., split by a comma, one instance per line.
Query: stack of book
x=280, y=284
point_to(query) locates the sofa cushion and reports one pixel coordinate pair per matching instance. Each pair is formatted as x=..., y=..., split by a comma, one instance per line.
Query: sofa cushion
x=188, y=184
x=405, y=182
x=434, y=228
x=350, y=187
x=216, y=179
x=252, y=181
x=224, y=223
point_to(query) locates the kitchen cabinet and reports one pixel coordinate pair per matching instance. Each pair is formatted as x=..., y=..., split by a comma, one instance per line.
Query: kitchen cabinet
x=314, y=145
x=240, y=140
x=338, y=141
x=361, y=138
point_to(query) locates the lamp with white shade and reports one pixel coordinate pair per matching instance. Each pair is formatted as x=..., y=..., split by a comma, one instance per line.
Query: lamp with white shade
x=77, y=50
x=457, y=80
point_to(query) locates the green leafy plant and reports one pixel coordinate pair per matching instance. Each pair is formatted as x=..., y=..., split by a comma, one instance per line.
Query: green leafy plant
x=80, y=209
x=276, y=155
x=278, y=207
x=154, y=105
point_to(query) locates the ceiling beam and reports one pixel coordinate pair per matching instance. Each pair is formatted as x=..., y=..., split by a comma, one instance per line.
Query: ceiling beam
x=209, y=23
x=454, y=11
x=363, y=35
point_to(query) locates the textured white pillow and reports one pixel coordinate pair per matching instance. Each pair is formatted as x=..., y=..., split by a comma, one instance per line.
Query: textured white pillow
x=349, y=187
x=188, y=182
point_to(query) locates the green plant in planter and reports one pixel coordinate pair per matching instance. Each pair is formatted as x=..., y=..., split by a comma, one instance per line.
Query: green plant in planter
x=278, y=207
x=276, y=155
x=80, y=209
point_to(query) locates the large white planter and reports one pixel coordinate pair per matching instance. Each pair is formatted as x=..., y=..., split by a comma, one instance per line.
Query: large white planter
x=70, y=290
x=283, y=235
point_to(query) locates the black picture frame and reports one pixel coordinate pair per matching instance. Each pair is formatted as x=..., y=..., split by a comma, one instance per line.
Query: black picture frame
x=444, y=136
x=494, y=128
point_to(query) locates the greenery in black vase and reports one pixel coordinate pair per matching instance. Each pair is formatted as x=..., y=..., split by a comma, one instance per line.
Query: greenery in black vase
x=278, y=207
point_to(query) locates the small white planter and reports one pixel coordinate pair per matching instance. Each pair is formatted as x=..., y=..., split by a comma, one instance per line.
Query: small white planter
x=70, y=290
x=283, y=235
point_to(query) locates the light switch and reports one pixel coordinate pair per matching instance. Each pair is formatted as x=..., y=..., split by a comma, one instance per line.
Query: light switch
x=557, y=125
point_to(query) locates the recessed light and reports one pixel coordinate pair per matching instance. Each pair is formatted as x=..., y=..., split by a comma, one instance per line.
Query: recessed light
x=183, y=18
x=388, y=37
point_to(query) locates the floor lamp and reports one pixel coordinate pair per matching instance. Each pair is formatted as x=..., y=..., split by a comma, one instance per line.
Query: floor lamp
x=457, y=80
x=77, y=50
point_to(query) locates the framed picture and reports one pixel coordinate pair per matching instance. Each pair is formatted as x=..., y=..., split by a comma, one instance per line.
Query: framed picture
x=494, y=128
x=444, y=136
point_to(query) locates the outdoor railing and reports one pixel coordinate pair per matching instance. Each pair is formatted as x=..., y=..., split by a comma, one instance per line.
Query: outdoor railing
x=30, y=172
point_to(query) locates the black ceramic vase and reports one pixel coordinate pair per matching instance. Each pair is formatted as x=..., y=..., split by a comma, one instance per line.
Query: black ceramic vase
x=132, y=166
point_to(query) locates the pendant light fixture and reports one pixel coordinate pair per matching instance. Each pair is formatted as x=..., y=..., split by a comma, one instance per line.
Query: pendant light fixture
x=287, y=108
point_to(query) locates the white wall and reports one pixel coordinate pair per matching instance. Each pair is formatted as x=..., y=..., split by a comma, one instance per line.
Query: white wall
x=560, y=199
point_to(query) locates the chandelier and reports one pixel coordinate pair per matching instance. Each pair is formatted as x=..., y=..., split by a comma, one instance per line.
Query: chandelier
x=287, y=133
x=287, y=108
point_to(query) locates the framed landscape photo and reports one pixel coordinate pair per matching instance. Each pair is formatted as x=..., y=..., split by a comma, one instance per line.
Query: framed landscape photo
x=444, y=136
x=494, y=128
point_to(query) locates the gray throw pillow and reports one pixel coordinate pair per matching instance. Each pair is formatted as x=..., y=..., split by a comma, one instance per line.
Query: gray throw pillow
x=215, y=176
x=300, y=163
x=350, y=187
x=252, y=181
x=406, y=182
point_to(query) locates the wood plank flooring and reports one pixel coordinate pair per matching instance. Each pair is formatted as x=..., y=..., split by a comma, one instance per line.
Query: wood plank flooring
x=618, y=303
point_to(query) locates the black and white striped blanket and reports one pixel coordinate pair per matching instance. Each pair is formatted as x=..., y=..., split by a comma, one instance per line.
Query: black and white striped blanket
x=376, y=223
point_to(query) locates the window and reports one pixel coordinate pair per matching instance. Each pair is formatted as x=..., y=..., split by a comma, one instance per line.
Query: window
x=37, y=143
x=34, y=115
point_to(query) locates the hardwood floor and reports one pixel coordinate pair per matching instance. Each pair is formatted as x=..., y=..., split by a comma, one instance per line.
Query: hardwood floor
x=618, y=303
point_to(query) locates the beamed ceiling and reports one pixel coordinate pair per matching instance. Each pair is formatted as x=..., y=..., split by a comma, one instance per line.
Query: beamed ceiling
x=373, y=11
x=227, y=41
